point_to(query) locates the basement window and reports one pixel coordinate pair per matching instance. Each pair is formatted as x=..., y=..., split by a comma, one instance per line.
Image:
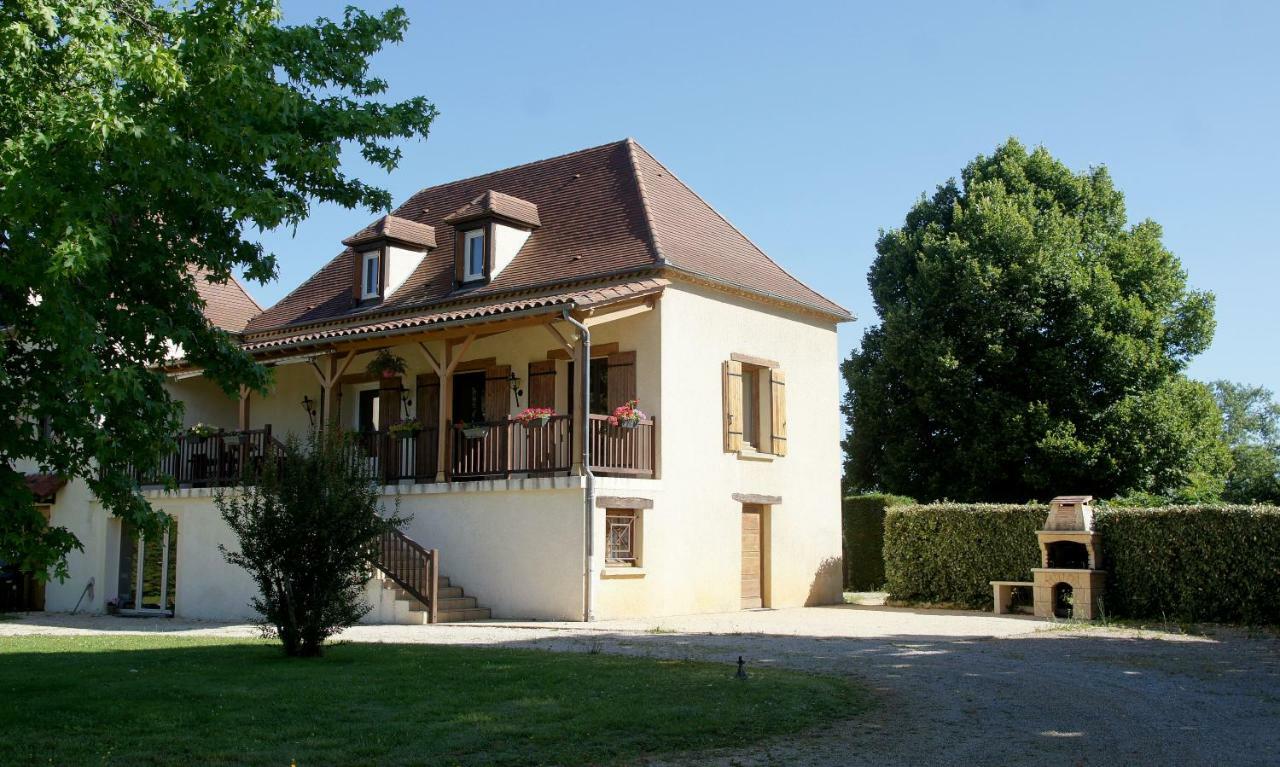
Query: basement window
x=621, y=538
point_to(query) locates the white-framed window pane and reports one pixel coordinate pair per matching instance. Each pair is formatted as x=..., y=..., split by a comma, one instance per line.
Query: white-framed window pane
x=475, y=253
x=371, y=276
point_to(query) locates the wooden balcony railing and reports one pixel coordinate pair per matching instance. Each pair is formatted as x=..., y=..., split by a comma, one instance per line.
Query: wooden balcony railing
x=497, y=449
x=220, y=459
x=621, y=450
x=503, y=448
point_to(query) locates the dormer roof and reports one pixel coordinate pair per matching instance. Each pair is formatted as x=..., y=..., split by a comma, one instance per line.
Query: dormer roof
x=493, y=204
x=395, y=229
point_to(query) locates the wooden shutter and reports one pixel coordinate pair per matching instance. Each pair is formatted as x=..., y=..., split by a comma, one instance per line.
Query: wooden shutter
x=459, y=256
x=428, y=444
x=732, y=381
x=542, y=383
x=357, y=270
x=497, y=393
x=428, y=397
x=778, y=415
x=389, y=402
x=622, y=378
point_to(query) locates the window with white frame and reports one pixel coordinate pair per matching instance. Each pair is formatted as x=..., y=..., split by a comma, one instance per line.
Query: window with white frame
x=370, y=268
x=473, y=255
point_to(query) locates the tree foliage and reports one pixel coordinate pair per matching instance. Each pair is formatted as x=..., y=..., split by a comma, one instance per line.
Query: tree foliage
x=1031, y=342
x=307, y=531
x=137, y=140
x=1251, y=427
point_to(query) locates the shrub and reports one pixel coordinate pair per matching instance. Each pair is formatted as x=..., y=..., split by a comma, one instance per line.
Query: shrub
x=307, y=532
x=864, y=539
x=948, y=552
x=1192, y=563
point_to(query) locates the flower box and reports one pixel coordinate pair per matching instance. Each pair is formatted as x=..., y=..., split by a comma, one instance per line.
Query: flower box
x=474, y=432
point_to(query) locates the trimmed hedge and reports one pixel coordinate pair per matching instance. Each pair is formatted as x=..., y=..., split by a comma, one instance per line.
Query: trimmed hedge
x=864, y=539
x=949, y=552
x=1192, y=563
x=1187, y=563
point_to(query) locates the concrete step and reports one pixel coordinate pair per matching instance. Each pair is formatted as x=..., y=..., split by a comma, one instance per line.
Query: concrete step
x=460, y=616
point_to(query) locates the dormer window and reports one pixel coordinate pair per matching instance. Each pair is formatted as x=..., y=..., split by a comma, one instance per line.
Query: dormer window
x=490, y=230
x=473, y=250
x=372, y=271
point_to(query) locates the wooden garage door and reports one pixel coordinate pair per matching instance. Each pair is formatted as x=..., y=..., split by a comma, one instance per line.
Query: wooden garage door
x=752, y=556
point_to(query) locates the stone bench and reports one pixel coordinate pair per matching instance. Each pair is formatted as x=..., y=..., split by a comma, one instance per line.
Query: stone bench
x=1002, y=592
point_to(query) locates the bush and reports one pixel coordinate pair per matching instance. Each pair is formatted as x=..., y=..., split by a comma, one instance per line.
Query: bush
x=864, y=539
x=1185, y=563
x=948, y=552
x=307, y=532
x=1192, y=563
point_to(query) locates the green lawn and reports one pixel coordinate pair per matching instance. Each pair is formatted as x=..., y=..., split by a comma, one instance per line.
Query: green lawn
x=160, y=700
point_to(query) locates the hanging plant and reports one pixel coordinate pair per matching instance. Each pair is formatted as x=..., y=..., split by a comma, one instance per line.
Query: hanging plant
x=405, y=428
x=535, y=416
x=628, y=415
x=386, y=364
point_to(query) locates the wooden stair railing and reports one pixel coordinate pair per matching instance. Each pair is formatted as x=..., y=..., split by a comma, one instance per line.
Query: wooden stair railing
x=413, y=568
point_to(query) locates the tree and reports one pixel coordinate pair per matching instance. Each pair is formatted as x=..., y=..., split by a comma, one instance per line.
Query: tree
x=1251, y=427
x=307, y=532
x=136, y=140
x=1031, y=342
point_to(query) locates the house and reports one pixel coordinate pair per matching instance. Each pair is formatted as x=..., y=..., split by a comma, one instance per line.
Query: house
x=578, y=283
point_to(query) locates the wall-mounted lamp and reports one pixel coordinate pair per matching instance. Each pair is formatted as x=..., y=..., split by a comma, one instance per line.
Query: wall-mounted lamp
x=309, y=405
x=515, y=386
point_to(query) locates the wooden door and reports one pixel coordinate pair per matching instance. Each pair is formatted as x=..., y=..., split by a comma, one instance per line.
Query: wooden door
x=752, y=557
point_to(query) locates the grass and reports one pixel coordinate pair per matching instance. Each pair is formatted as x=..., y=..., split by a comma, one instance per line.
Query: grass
x=135, y=700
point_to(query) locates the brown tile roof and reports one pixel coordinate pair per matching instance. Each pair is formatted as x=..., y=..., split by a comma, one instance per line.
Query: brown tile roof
x=582, y=297
x=608, y=211
x=493, y=203
x=394, y=228
x=44, y=486
x=227, y=304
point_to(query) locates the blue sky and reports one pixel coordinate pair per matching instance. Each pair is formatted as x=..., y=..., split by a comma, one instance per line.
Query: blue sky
x=813, y=126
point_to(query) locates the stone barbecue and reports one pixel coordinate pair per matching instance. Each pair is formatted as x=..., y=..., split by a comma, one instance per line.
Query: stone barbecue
x=1070, y=582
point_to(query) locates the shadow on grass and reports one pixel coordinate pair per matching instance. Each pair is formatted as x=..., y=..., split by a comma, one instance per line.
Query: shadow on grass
x=164, y=700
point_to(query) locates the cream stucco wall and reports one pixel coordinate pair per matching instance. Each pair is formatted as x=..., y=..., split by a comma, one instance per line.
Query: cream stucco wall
x=692, y=535
x=518, y=546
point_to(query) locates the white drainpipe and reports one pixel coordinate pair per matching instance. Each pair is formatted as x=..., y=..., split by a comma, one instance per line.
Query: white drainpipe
x=584, y=391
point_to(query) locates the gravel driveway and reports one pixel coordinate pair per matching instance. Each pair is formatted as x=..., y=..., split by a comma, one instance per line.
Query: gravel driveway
x=954, y=688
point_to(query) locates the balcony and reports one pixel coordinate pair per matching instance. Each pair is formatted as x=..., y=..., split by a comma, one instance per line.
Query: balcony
x=501, y=449
x=215, y=460
x=494, y=450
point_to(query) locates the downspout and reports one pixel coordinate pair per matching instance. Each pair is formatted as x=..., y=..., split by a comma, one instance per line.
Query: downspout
x=589, y=502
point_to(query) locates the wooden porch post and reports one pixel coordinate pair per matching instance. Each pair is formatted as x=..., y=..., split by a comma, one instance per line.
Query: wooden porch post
x=329, y=384
x=452, y=357
x=245, y=393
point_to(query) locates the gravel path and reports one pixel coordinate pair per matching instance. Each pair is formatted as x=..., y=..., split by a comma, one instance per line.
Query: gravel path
x=953, y=688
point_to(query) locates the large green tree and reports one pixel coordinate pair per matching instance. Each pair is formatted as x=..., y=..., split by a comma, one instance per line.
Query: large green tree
x=1251, y=427
x=137, y=140
x=1031, y=342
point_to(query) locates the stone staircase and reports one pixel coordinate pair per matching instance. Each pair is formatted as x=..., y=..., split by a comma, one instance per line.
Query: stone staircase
x=399, y=606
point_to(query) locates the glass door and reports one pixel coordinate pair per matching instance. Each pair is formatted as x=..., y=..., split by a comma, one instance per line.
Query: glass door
x=148, y=578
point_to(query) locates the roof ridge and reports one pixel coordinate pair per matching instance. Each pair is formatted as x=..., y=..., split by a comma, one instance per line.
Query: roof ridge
x=729, y=223
x=509, y=168
x=632, y=144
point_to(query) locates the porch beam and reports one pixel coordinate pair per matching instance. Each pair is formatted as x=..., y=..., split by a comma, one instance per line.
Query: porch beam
x=559, y=337
x=593, y=319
